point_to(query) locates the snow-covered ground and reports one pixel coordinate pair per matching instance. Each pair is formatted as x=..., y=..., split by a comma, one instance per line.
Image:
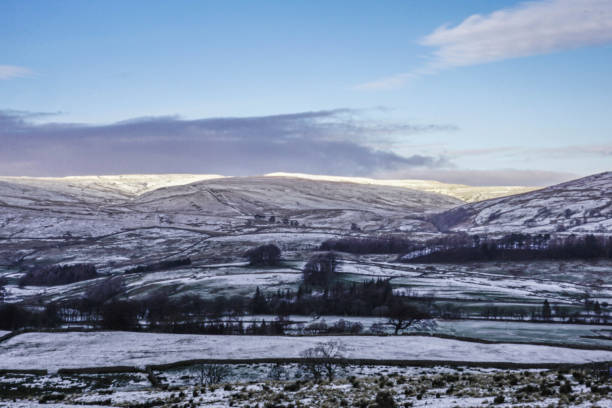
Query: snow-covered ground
x=353, y=386
x=526, y=332
x=518, y=283
x=52, y=351
x=578, y=206
x=461, y=191
x=121, y=220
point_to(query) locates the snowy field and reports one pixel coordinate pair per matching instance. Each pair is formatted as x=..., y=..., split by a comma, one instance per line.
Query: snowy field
x=52, y=351
x=522, y=284
x=577, y=206
x=444, y=387
x=501, y=331
x=527, y=332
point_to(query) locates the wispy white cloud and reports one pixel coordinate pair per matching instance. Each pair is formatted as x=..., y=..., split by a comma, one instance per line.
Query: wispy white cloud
x=490, y=177
x=531, y=28
x=595, y=150
x=386, y=83
x=12, y=71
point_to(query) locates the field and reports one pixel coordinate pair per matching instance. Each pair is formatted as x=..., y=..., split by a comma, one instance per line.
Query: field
x=354, y=386
x=52, y=351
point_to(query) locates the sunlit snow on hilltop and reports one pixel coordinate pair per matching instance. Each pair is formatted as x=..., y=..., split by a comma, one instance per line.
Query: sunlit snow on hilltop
x=461, y=191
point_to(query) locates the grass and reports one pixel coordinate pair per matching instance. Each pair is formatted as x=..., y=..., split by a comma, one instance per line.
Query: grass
x=379, y=387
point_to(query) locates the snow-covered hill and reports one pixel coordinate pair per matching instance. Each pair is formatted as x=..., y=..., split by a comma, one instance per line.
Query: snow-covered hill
x=463, y=192
x=286, y=195
x=578, y=206
x=118, y=221
x=109, y=187
x=105, y=219
x=101, y=205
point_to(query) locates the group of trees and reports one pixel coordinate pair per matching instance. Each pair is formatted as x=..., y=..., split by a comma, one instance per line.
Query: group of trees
x=368, y=298
x=160, y=266
x=14, y=316
x=103, y=304
x=264, y=255
x=102, y=308
x=391, y=244
x=461, y=247
x=320, y=269
x=59, y=275
x=520, y=247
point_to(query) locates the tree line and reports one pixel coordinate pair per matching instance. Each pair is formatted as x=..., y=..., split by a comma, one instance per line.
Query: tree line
x=59, y=275
x=462, y=247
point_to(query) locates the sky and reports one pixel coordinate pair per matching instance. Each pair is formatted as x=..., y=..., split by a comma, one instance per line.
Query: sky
x=481, y=92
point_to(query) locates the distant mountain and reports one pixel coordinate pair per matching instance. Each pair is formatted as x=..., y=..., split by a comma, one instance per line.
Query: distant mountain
x=108, y=187
x=463, y=192
x=131, y=185
x=94, y=206
x=279, y=195
x=578, y=206
x=122, y=221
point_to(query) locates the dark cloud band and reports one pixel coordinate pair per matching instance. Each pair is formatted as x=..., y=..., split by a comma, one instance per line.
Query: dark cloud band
x=330, y=142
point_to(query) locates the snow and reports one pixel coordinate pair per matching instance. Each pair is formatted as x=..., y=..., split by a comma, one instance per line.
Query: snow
x=525, y=331
x=34, y=404
x=52, y=351
x=460, y=191
x=578, y=206
x=119, y=185
x=375, y=269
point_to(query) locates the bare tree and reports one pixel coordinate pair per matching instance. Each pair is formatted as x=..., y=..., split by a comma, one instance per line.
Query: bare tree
x=3, y=282
x=402, y=315
x=324, y=358
x=211, y=373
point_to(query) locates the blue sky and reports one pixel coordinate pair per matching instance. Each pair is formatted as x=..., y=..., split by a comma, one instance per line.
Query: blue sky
x=480, y=92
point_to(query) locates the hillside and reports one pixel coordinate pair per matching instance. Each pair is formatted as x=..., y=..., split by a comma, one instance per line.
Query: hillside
x=105, y=220
x=125, y=220
x=132, y=185
x=287, y=195
x=97, y=205
x=579, y=206
x=108, y=187
x=463, y=192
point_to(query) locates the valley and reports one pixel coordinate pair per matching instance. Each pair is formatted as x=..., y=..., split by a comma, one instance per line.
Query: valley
x=170, y=254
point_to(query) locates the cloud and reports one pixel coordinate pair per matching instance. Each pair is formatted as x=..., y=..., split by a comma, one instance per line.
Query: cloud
x=585, y=150
x=331, y=142
x=12, y=71
x=386, y=83
x=493, y=177
x=601, y=150
x=531, y=28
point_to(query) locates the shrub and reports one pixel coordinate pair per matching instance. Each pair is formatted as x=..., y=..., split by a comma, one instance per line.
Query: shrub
x=499, y=399
x=384, y=399
x=293, y=387
x=565, y=388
